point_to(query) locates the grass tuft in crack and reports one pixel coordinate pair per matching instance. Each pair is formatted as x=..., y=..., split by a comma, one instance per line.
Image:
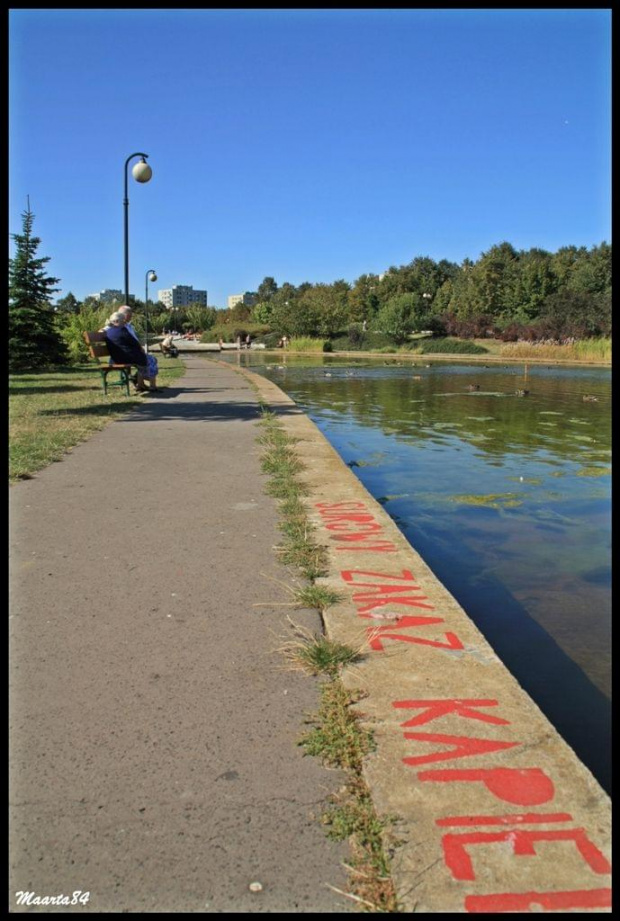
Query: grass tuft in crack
x=317, y=654
x=317, y=596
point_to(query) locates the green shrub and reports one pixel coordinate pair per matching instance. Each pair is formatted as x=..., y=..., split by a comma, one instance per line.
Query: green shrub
x=347, y=344
x=228, y=332
x=450, y=346
x=377, y=341
x=158, y=322
x=72, y=325
x=356, y=334
x=306, y=344
x=344, y=344
x=367, y=342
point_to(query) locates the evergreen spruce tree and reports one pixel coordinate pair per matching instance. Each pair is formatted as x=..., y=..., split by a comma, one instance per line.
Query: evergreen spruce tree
x=34, y=342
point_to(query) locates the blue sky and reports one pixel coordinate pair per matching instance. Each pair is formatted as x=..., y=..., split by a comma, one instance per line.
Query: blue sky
x=308, y=145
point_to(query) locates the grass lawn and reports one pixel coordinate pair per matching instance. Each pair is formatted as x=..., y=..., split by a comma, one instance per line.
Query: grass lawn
x=50, y=412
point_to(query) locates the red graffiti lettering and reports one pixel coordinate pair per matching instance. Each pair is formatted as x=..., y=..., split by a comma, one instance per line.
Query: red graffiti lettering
x=379, y=591
x=379, y=599
x=405, y=620
x=516, y=818
x=521, y=786
x=376, y=635
x=368, y=526
x=437, y=708
x=407, y=600
x=463, y=747
x=349, y=576
x=349, y=504
x=357, y=535
x=336, y=519
x=549, y=901
x=460, y=865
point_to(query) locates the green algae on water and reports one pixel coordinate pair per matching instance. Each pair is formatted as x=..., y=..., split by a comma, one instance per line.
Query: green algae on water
x=493, y=500
x=532, y=480
x=594, y=471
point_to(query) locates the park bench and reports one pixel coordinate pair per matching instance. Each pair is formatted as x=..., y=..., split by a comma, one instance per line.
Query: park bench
x=98, y=349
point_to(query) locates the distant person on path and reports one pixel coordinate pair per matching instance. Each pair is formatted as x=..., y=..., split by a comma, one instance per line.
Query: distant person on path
x=238, y=342
x=125, y=349
x=248, y=340
x=284, y=342
x=153, y=367
x=167, y=346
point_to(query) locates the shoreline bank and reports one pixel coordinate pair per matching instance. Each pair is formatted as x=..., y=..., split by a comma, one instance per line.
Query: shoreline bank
x=479, y=359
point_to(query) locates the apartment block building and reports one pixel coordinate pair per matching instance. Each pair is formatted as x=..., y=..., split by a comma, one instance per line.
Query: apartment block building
x=247, y=299
x=182, y=296
x=109, y=295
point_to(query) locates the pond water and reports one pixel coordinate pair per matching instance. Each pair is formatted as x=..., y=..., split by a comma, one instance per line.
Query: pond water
x=505, y=495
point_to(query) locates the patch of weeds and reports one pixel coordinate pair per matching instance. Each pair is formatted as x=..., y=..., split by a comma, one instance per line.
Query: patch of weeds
x=283, y=488
x=293, y=507
x=298, y=547
x=338, y=738
x=318, y=655
x=310, y=561
x=318, y=596
x=296, y=528
x=340, y=741
x=274, y=436
x=281, y=462
x=283, y=467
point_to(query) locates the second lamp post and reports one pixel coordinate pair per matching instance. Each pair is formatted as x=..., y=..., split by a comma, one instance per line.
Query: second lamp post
x=150, y=276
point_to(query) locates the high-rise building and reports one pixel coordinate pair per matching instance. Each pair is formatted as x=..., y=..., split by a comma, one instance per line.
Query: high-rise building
x=182, y=296
x=247, y=299
x=108, y=295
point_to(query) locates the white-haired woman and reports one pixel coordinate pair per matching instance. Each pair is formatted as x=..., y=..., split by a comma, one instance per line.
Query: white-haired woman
x=125, y=349
x=153, y=367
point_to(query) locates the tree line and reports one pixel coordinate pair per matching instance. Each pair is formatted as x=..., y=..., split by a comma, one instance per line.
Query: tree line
x=507, y=293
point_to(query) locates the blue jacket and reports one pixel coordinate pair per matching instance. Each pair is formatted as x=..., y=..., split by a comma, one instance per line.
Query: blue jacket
x=124, y=348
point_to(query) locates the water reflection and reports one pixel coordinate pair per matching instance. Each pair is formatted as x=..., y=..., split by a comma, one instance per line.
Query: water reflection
x=505, y=494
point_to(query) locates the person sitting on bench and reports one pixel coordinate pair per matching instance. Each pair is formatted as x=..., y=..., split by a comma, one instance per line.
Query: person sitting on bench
x=151, y=360
x=125, y=349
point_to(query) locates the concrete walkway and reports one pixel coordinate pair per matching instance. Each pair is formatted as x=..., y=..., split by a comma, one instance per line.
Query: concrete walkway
x=154, y=756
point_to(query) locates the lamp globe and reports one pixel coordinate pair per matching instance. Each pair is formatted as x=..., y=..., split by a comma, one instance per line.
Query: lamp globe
x=142, y=172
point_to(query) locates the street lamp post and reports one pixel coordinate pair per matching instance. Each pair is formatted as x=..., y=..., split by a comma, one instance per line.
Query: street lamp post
x=427, y=299
x=141, y=172
x=150, y=276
